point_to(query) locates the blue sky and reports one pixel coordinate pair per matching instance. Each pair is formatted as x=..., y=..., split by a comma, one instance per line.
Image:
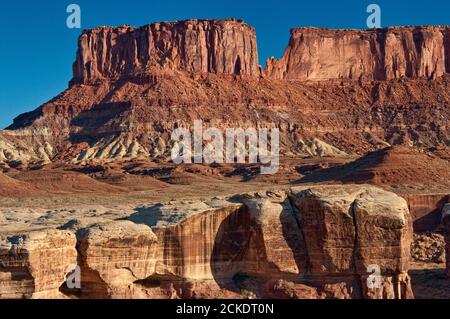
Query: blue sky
x=37, y=49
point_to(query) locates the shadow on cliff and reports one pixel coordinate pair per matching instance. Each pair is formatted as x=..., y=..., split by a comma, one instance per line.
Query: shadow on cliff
x=432, y=220
x=239, y=260
x=430, y=283
x=230, y=247
x=357, y=171
x=249, y=253
x=101, y=120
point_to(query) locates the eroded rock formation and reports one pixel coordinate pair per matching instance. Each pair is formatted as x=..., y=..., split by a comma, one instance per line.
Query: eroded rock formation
x=343, y=228
x=113, y=256
x=392, y=53
x=132, y=87
x=319, y=242
x=35, y=264
x=194, y=46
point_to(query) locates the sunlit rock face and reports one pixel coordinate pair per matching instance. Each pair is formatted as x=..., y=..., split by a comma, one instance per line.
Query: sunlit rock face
x=316, y=54
x=114, y=256
x=35, y=264
x=193, y=46
x=313, y=242
x=350, y=229
x=132, y=86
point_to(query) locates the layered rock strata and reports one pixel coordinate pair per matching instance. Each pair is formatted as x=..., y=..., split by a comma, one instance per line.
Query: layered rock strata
x=132, y=87
x=319, y=242
x=193, y=46
x=36, y=264
x=316, y=54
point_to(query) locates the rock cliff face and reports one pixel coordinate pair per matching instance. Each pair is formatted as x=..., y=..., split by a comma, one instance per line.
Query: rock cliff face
x=132, y=86
x=343, y=229
x=35, y=265
x=392, y=53
x=229, y=47
x=193, y=46
x=320, y=242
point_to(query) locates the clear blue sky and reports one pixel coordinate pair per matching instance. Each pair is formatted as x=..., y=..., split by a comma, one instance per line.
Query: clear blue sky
x=37, y=49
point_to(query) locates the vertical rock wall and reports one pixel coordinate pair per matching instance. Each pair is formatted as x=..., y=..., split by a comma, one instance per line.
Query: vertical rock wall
x=317, y=54
x=194, y=46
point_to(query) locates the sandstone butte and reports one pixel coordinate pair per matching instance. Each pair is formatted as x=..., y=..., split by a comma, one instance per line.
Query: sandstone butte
x=312, y=242
x=333, y=93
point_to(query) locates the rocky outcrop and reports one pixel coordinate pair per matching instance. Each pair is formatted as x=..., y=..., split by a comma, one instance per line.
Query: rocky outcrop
x=350, y=231
x=193, y=46
x=319, y=242
x=114, y=256
x=316, y=54
x=35, y=264
x=187, y=237
x=277, y=246
x=229, y=47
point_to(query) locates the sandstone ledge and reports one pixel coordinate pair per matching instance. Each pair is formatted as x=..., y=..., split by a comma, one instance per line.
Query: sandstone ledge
x=34, y=265
x=314, y=242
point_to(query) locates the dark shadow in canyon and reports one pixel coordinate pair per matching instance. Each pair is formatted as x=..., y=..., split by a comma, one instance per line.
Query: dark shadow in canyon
x=430, y=284
x=357, y=171
x=230, y=247
x=101, y=120
x=147, y=215
x=239, y=260
x=431, y=220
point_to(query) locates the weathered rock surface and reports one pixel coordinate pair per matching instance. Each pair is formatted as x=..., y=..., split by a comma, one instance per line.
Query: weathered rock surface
x=318, y=242
x=193, y=46
x=350, y=229
x=35, y=264
x=429, y=248
x=188, y=237
x=277, y=244
x=316, y=54
x=114, y=256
